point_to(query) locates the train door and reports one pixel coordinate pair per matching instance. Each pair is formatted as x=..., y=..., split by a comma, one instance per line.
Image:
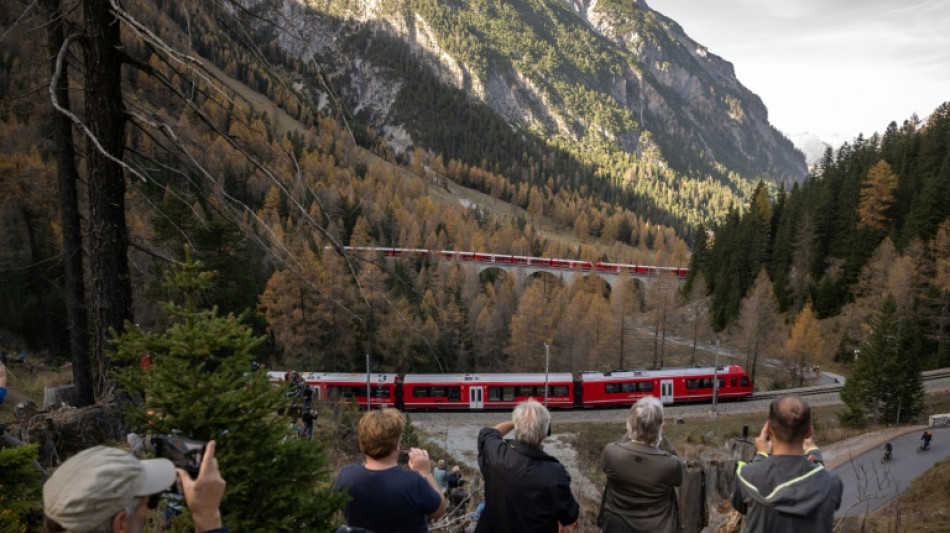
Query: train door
x=666, y=391
x=476, y=398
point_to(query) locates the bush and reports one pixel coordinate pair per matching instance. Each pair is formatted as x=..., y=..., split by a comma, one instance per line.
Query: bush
x=20, y=487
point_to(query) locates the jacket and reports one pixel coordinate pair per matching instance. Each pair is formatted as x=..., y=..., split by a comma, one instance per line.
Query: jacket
x=526, y=490
x=790, y=493
x=640, y=488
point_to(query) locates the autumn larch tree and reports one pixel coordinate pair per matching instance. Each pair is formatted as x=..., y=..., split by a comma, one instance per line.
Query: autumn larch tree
x=757, y=321
x=877, y=195
x=804, y=343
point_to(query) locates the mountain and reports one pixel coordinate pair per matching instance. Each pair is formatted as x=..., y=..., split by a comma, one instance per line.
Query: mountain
x=618, y=86
x=811, y=145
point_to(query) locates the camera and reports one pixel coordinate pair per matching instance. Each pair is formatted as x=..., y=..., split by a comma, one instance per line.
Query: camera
x=183, y=453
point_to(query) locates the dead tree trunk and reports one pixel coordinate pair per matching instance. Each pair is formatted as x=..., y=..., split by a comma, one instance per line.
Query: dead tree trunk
x=107, y=227
x=69, y=209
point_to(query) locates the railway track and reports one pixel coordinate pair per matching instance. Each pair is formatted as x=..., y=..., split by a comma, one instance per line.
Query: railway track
x=928, y=376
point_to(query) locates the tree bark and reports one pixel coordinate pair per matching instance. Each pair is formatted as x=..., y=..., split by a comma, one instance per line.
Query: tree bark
x=112, y=288
x=39, y=286
x=69, y=209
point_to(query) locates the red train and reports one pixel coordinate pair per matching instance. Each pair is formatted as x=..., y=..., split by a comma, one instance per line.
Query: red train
x=568, y=264
x=504, y=391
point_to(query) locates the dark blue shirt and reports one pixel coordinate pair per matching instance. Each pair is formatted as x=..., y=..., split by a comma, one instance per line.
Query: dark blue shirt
x=387, y=501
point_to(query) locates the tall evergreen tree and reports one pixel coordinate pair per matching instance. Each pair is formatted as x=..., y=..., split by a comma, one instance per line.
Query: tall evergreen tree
x=201, y=385
x=886, y=384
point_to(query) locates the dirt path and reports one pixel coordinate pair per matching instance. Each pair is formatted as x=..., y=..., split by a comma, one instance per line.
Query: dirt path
x=460, y=440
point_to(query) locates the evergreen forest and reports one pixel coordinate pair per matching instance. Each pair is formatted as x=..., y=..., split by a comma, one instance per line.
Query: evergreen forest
x=871, y=222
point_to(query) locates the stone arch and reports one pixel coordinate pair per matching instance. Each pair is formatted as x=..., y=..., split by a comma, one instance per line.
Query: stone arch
x=543, y=276
x=491, y=274
x=593, y=278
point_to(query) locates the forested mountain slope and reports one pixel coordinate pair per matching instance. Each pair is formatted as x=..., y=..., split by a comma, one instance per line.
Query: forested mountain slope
x=265, y=192
x=873, y=220
x=609, y=96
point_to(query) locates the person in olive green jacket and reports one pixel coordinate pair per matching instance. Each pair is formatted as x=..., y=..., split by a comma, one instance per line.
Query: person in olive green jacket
x=640, y=477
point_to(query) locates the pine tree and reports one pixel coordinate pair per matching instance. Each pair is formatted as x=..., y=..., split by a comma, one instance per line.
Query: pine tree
x=886, y=383
x=20, y=488
x=201, y=386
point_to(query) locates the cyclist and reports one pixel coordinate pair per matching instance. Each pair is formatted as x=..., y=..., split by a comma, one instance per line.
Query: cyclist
x=926, y=438
x=888, y=449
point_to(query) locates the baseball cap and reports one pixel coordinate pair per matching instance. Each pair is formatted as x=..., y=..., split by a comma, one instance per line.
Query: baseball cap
x=95, y=484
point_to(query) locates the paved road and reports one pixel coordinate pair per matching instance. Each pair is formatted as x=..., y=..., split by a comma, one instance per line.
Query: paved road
x=869, y=484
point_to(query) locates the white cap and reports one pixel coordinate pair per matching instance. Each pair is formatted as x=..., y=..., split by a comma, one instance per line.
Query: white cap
x=95, y=484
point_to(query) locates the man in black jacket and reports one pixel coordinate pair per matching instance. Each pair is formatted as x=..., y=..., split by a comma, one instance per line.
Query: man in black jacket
x=526, y=490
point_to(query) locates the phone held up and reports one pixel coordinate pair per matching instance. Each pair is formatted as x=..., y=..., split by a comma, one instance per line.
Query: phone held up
x=183, y=453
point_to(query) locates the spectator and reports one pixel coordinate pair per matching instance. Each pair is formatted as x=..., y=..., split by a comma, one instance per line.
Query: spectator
x=384, y=498
x=526, y=490
x=308, y=418
x=786, y=486
x=105, y=489
x=639, y=495
x=307, y=397
x=439, y=474
x=3, y=383
x=454, y=479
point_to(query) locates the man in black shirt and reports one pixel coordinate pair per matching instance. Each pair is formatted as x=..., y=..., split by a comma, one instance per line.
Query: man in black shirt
x=526, y=490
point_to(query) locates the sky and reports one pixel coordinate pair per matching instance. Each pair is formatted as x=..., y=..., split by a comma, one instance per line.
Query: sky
x=831, y=67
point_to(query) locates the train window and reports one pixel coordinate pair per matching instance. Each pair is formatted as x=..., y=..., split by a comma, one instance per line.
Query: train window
x=560, y=390
x=455, y=393
x=692, y=383
x=745, y=381
x=645, y=386
x=722, y=382
x=508, y=394
x=629, y=387
x=494, y=394
x=612, y=388
x=421, y=392
x=733, y=382
x=438, y=392
x=377, y=392
x=525, y=391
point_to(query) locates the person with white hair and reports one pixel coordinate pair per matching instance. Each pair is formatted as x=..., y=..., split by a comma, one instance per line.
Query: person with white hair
x=526, y=490
x=641, y=477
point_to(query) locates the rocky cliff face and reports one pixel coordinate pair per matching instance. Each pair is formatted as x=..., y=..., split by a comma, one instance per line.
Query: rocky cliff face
x=602, y=74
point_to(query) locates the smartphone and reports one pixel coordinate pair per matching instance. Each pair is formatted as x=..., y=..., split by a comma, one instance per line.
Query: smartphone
x=184, y=453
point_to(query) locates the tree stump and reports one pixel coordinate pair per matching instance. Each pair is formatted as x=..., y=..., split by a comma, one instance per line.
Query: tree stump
x=58, y=396
x=68, y=430
x=720, y=479
x=691, y=498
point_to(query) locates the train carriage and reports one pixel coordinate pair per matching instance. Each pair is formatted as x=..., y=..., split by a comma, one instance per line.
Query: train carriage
x=671, y=385
x=484, y=391
x=351, y=387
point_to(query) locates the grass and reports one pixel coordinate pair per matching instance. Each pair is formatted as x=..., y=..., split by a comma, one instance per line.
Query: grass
x=30, y=382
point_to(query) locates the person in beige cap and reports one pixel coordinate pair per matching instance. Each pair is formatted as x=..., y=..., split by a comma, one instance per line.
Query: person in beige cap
x=107, y=490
